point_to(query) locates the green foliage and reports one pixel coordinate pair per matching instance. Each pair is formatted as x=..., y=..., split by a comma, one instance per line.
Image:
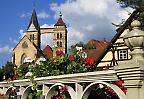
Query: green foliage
x=34, y=93
x=1, y=74
x=8, y=70
x=12, y=95
x=59, y=65
x=60, y=92
x=131, y=3
x=85, y=46
x=22, y=70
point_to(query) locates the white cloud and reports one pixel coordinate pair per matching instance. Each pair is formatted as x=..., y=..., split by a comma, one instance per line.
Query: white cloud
x=24, y=15
x=74, y=36
x=13, y=41
x=22, y=33
x=47, y=39
x=47, y=26
x=42, y=15
x=90, y=19
x=5, y=49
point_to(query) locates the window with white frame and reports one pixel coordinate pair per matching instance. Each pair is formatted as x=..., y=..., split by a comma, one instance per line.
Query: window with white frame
x=122, y=54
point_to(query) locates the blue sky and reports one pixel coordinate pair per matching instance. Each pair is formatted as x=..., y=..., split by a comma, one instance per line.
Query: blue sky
x=86, y=19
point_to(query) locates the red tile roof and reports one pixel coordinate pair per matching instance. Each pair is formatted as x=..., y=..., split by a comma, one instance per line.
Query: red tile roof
x=60, y=22
x=100, y=47
x=48, y=52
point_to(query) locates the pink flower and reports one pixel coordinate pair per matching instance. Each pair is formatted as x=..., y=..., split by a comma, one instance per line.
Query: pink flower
x=57, y=97
x=63, y=89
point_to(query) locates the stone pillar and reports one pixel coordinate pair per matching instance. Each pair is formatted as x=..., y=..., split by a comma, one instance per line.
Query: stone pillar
x=79, y=90
x=132, y=71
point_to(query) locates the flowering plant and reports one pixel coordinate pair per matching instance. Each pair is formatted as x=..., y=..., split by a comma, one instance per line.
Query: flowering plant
x=119, y=83
x=61, y=92
x=34, y=93
x=13, y=93
x=59, y=53
x=59, y=65
x=102, y=91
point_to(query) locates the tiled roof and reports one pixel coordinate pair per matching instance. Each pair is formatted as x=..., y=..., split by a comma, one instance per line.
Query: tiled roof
x=100, y=47
x=100, y=44
x=48, y=52
x=60, y=22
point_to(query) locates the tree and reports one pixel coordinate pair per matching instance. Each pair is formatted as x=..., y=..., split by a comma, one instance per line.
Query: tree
x=131, y=3
x=8, y=70
x=1, y=74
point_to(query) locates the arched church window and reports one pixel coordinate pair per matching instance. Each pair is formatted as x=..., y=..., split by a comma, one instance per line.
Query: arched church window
x=23, y=57
x=24, y=45
x=32, y=37
x=13, y=55
x=57, y=35
x=60, y=44
x=60, y=35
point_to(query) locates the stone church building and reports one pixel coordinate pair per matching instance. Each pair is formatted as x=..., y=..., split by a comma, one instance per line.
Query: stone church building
x=29, y=47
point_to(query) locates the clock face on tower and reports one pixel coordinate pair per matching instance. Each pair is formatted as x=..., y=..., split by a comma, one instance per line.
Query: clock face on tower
x=24, y=45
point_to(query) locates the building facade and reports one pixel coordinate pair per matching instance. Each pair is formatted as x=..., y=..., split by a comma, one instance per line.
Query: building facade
x=29, y=47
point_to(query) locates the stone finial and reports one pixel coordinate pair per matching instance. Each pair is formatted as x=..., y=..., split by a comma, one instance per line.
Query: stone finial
x=135, y=39
x=135, y=24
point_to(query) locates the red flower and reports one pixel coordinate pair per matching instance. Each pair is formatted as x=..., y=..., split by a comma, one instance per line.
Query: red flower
x=59, y=53
x=89, y=61
x=71, y=58
x=124, y=90
x=119, y=83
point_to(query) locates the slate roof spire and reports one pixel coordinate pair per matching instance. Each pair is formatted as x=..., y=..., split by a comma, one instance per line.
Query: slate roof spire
x=33, y=24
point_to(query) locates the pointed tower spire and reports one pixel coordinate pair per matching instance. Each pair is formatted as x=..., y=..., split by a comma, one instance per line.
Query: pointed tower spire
x=33, y=25
x=60, y=21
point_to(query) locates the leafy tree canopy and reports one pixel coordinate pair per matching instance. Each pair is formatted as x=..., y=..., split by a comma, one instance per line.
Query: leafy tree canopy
x=131, y=3
x=8, y=70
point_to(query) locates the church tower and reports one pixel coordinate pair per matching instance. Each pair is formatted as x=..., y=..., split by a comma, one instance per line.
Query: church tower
x=33, y=31
x=28, y=48
x=60, y=36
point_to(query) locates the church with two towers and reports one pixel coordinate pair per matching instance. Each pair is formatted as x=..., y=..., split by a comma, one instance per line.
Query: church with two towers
x=29, y=47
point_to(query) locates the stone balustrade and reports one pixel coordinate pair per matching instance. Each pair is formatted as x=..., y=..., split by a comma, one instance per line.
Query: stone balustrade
x=47, y=84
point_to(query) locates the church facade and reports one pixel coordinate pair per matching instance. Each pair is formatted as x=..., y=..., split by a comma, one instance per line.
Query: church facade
x=29, y=47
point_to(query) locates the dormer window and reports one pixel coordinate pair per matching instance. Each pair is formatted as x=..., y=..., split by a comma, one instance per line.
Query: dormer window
x=123, y=54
